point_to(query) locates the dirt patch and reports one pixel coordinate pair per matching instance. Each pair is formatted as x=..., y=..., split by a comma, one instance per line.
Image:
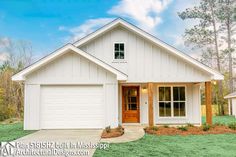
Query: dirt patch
x=190, y=131
x=116, y=132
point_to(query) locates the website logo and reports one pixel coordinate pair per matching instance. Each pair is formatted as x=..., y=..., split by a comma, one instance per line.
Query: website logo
x=7, y=148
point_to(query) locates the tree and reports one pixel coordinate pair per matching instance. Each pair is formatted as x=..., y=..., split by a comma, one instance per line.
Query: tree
x=205, y=36
x=228, y=26
x=12, y=99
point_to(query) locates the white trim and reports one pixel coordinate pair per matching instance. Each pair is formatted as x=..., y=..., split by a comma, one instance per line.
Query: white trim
x=21, y=76
x=215, y=75
x=229, y=106
x=172, y=102
x=231, y=95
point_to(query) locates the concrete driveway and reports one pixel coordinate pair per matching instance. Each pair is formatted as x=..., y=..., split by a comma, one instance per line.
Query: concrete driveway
x=73, y=141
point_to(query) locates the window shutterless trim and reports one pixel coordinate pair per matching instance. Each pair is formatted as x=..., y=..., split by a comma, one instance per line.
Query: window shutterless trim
x=172, y=101
x=114, y=59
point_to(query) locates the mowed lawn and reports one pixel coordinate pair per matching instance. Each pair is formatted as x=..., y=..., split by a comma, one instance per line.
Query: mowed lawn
x=221, y=119
x=178, y=146
x=9, y=132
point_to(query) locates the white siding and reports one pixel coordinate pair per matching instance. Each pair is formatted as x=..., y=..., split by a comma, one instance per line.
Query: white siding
x=193, y=106
x=69, y=69
x=144, y=61
x=234, y=107
x=32, y=107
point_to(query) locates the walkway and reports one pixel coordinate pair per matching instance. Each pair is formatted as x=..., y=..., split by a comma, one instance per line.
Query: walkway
x=132, y=133
x=64, y=139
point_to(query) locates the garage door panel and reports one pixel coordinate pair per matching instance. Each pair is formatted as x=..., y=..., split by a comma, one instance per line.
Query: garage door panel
x=72, y=107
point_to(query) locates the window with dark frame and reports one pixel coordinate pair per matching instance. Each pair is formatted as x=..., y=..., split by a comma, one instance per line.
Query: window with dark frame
x=119, y=50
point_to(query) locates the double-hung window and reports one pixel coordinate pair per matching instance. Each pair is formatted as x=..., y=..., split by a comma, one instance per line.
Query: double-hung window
x=172, y=101
x=119, y=50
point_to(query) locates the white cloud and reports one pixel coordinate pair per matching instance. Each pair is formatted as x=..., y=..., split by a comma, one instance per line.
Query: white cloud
x=146, y=13
x=4, y=56
x=87, y=27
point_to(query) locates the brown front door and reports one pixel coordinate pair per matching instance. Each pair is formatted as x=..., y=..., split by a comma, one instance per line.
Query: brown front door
x=130, y=104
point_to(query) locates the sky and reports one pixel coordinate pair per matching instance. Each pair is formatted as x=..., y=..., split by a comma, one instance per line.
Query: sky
x=49, y=24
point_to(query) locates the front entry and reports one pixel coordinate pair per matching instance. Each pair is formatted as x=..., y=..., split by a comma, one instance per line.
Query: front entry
x=130, y=104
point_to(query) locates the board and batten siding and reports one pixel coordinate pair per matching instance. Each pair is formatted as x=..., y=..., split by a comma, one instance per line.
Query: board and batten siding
x=69, y=69
x=144, y=61
x=193, y=105
x=234, y=106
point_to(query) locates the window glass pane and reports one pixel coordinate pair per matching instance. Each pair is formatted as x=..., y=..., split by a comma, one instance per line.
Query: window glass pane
x=168, y=109
x=116, y=47
x=179, y=109
x=161, y=109
x=117, y=55
x=133, y=100
x=182, y=93
x=122, y=55
x=182, y=108
x=164, y=94
x=122, y=47
x=176, y=108
x=133, y=106
x=161, y=94
x=179, y=93
x=175, y=93
x=167, y=94
x=164, y=109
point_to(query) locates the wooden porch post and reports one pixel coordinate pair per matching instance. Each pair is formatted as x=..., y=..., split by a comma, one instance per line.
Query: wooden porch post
x=150, y=104
x=208, y=103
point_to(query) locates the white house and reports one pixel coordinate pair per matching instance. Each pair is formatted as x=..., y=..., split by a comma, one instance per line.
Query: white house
x=231, y=103
x=118, y=74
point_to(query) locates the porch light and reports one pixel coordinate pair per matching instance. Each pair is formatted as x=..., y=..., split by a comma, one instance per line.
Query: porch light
x=144, y=89
x=214, y=82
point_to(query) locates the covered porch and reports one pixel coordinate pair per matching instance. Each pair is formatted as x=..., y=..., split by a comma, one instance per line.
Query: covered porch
x=163, y=103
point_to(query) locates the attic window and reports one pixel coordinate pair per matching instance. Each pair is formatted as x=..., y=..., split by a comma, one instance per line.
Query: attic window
x=119, y=51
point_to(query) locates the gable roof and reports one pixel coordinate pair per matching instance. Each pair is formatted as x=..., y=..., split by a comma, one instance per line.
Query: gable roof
x=120, y=22
x=20, y=76
x=231, y=95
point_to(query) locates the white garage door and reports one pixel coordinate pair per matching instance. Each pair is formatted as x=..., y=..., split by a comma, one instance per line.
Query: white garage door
x=68, y=107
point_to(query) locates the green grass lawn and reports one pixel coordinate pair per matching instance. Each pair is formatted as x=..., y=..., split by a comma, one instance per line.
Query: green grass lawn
x=178, y=146
x=221, y=119
x=9, y=132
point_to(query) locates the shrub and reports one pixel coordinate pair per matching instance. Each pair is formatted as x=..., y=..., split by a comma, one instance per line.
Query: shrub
x=206, y=127
x=155, y=128
x=232, y=126
x=108, y=129
x=190, y=125
x=183, y=128
x=166, y=126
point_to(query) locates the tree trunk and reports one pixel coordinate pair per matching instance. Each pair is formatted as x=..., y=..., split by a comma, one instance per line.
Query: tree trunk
x=228, y=25
x=220, y=85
